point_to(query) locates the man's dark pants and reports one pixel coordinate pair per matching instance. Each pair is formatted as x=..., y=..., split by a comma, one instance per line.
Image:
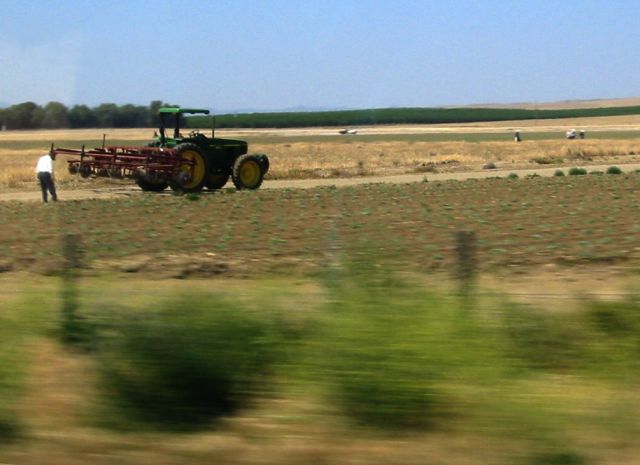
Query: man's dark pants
x=47, y=184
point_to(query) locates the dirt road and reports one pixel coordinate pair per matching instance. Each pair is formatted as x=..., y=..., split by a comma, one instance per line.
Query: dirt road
x=133, y=190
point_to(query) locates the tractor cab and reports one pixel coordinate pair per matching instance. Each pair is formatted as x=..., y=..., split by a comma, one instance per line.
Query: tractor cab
x=171, y=119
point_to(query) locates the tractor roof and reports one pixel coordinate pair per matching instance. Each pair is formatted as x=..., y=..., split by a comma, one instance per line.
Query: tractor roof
x=178, y=110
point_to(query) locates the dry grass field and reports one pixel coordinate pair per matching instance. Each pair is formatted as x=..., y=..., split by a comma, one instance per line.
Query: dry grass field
x=375, y=151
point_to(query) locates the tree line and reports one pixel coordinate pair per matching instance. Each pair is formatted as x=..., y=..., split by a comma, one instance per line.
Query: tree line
x=56, y=115
x=400, y=116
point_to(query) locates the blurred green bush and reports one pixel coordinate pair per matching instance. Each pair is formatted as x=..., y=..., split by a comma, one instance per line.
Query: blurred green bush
x=613, y=348
x=9, y=423
x=11, y=374
x=539, y=340
x=389, y=350
x=395, y=355
x=184, y=365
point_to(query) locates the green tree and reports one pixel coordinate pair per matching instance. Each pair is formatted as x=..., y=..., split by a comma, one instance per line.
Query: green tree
x=106, y=115
x=81, y=116
x=36, y=118
x=132, y=116
x=154, y=107
x=21, y=116
x=55, y=116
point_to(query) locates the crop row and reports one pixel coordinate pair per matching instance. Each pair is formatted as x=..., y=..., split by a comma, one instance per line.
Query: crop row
x=517, y=222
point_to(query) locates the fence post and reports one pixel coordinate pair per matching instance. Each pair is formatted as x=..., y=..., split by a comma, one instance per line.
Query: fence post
x=466, y=260
x=71, y=325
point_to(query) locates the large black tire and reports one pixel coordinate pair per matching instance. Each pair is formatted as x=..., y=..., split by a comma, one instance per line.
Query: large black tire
x=217, y=180
x=248, y=172
x=151, y=186
x=190, y=177
x=265, y=162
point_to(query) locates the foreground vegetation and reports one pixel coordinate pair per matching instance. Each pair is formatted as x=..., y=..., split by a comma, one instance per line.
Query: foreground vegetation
x=355, y=362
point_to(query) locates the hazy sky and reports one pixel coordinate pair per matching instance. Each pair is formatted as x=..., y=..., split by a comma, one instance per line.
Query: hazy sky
x=278, y=54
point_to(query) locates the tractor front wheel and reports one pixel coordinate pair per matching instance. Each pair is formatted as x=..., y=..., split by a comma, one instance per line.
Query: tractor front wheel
x=248, y=172
x=193, y=170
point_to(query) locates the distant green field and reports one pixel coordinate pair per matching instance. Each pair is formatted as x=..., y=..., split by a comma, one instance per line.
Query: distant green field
x=399, y=116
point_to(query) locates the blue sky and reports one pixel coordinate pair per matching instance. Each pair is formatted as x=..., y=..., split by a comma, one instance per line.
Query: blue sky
x=279, y=54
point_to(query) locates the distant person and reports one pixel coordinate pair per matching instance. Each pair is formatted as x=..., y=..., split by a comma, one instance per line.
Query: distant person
x=516, y=136
x=581, y=133
x=44, y=171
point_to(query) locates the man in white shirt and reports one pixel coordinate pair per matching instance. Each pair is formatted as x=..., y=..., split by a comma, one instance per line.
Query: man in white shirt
x=44, y=171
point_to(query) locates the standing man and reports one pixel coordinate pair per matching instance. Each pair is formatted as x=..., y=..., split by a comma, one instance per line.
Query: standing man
x=44, y=171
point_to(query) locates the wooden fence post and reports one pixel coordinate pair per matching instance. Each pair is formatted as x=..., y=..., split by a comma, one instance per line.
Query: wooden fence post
x=71, y=326
x=466, y=260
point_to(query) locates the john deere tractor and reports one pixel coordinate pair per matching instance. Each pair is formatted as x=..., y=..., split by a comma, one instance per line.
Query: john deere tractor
x=206, y=161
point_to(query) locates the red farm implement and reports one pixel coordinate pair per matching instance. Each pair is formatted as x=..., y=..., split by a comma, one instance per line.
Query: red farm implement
x=149, y=166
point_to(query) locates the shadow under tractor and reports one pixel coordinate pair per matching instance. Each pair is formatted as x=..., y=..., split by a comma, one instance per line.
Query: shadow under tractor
x=184, y=163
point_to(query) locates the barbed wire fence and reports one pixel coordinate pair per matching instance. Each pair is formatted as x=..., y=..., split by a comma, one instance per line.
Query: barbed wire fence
x=463, y=249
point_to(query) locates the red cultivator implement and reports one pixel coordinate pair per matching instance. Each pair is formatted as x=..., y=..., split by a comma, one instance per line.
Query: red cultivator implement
x=155, y=165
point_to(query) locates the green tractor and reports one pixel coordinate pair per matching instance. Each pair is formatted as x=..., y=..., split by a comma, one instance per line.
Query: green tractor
x=206, y=161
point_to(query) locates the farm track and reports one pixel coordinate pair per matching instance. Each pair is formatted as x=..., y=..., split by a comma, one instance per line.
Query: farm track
x=132, y=190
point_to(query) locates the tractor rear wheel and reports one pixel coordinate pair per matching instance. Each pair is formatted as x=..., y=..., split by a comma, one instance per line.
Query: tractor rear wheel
x=193, y=171
x=248, y=172
x=265, y=163
x=151, y=186
x=217, y=181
